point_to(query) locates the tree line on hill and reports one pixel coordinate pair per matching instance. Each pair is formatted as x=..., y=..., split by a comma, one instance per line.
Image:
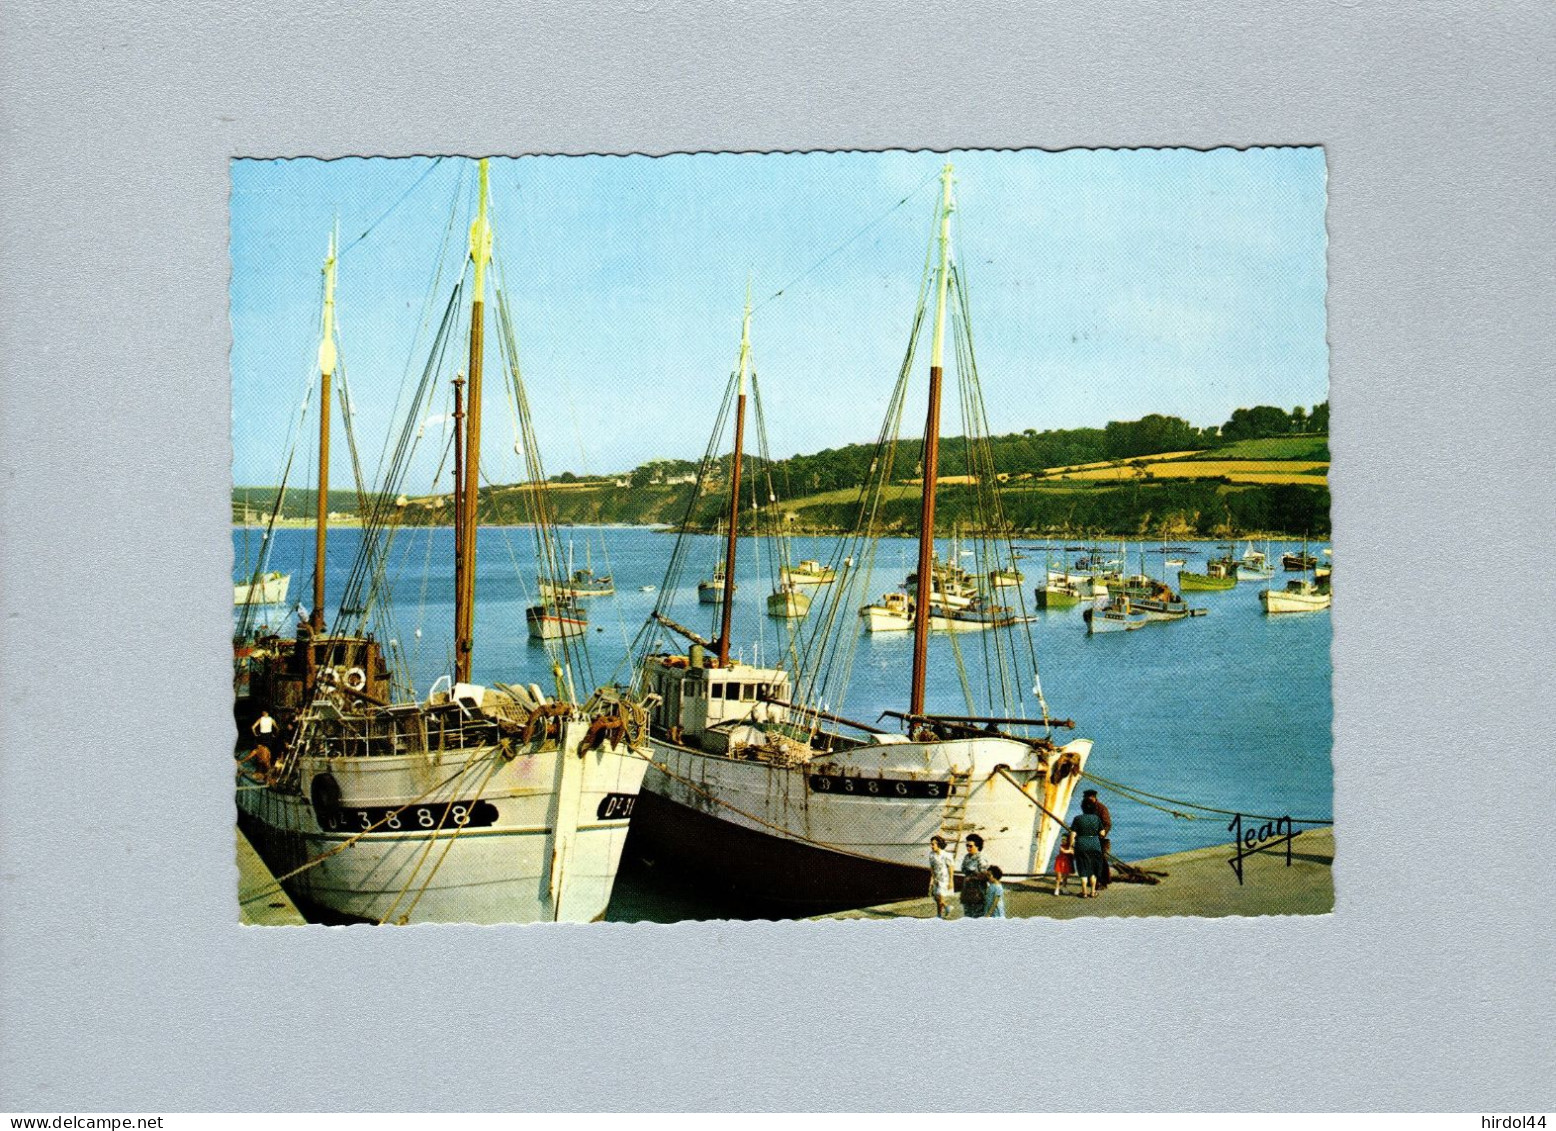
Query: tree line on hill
x=834, y=469
x=660, y=489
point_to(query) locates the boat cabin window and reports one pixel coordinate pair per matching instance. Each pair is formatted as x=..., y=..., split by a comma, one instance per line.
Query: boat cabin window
x=715, y=691
x=748, y=691
x=691, y=689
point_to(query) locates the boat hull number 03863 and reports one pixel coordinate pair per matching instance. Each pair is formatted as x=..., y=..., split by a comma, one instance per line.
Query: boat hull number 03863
x=875, y=787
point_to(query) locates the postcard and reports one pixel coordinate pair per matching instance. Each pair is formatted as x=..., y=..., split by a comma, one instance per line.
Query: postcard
x=775, y=536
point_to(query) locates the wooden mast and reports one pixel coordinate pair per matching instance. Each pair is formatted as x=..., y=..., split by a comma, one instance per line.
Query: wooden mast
x=926, y=526
x=464, y=589
x=734, y=485
x=459, y=486
x=327, y=360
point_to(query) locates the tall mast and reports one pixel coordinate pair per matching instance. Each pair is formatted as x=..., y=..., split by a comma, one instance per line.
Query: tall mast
x=464, y=592
x=734, y=484
x=327, y=360
x=459, y=486
x=926, y=522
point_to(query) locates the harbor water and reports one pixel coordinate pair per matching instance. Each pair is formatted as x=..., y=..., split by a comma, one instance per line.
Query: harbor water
x=1231, y=710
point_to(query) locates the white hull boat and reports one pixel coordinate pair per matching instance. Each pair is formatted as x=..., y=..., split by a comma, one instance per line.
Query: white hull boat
x=788, y=806
x=500, y=831
x=477, y=805
x=817, y=830
x=788, y=603
x=1297, y=597
x=809, y=572
x=551, y=621
x=268, y=589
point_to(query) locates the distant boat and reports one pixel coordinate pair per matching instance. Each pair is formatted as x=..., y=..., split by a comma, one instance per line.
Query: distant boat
x=710, y=590
x=1000, y=578
x=1157, y=600
x=556, y=617
x=1064, y=593
x=1065, y=590
x=1254, y=566
x=894, y=613
x=809, y=572
x=647, y=588
x=1298, y=563
x=580, y=582
x=1118, y=615
x=267, y=589
x=1299, y=596
x=1220, y=573
x=1170, y=562
x=788, y=602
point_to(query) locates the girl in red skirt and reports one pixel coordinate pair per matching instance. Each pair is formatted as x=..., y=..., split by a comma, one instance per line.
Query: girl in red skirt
x=1064, y=865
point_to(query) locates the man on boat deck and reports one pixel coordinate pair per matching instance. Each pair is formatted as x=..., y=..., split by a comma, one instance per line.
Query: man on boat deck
x=264, y=726
x=1104, y=877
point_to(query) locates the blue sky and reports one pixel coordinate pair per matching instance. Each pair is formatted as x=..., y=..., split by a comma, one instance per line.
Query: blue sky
x=1104, y=284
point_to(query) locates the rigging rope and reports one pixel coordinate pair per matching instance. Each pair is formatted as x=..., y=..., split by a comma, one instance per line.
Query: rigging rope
x=436, y=161
x=825, y=258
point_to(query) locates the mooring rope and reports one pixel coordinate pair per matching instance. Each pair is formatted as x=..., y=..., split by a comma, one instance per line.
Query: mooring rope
x=1132, y=794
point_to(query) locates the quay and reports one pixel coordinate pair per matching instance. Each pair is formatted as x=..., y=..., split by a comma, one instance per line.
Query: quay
x=261, y=902
x=1200, y=882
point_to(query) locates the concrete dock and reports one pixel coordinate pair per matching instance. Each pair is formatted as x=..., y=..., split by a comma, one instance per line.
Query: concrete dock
x=261, y=903
x=1201, y=882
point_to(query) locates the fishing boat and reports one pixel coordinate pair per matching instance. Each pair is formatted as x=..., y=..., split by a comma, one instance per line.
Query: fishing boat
x=1254, y=565
x=555, y=617
x=894, y=612
x=1117, y=614
x=955, y=602
x=1300, y=595
x=765, y=795
x=710, y=590
x=1064, y=592
x=1158, y=602
x=1005, y=578
x=809, y=572
x=788, y=602
x=480, y=803
x=950, y=584
x=1298, y=562
x=1220, y=574
x=266, y=589
x=1065, y=588
x=580, y=582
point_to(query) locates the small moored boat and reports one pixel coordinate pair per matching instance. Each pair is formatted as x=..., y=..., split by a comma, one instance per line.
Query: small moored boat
x=266, y=589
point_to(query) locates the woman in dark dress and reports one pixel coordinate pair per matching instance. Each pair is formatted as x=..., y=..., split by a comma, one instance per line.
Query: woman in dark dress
x=1086, y=830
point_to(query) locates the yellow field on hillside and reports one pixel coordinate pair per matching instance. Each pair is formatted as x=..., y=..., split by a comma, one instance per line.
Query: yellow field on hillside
x=1318, y=479
x=1109, y=464
x=1237, y=470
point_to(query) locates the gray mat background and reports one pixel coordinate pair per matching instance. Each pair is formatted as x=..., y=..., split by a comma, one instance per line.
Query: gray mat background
x=127, y=984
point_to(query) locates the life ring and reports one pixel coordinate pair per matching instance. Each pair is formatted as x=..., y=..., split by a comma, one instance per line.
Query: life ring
x=356, y=679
